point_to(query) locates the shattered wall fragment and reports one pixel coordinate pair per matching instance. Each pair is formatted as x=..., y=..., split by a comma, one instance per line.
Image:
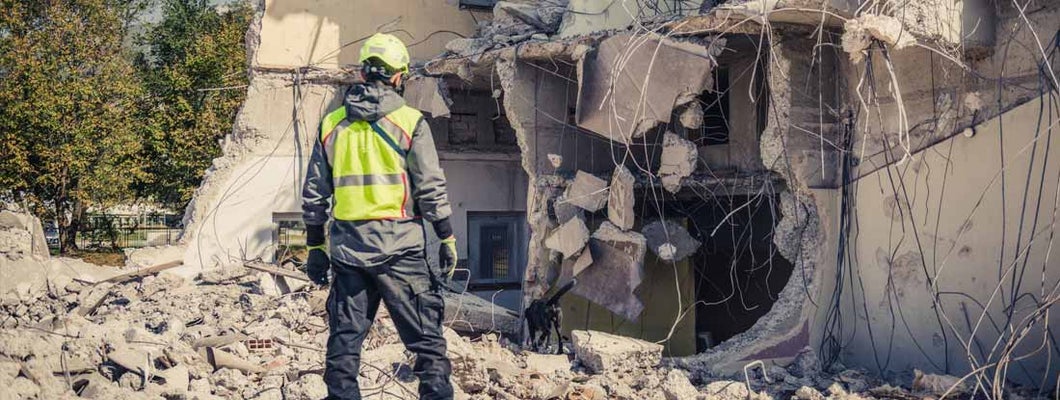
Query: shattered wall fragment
x=587, y=191
x=679, y=158
x=569, y=238
x=669, y=240
x=620, y=198
x=616, y=272
x=658, y=74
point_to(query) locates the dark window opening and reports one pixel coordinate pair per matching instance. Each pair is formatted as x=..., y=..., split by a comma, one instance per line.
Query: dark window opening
x=497, y=250
x=462, y=128
x=715, y=103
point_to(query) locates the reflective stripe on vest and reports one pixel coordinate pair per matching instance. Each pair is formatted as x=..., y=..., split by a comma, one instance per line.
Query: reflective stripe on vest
x=368, y=164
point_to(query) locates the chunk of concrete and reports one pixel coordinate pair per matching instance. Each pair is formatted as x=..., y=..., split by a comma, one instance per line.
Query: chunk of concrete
x=859, y=32
x=428, y=94
x=470, y=314
x=669, y=240
x=617, y=270
x=564, y=210
x=21, y=235
x=692, y=116
x=574, y=266
x=660, y=75
x=587, y=191
x=678, y=161
x=677, y=387
x=620, y=198
x=569, y=238
x=604, y=352
x=309, y=386
x=547, y=364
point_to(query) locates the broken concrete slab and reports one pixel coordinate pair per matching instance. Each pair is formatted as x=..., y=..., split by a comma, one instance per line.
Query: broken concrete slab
x=21, y=235
x=936, y=385
x=547, y=363
x=471, y=314
x=569, y=238
x=428, y=94
x=678, y=160
x=677, y=387
x=565, y=210
x=604, y=352
x=692, y=116
x=620, y=198
x=631, y=84
x=616, y=271
x=221, y=359
x=572, y=267
x=587, y=191
x=669, y=240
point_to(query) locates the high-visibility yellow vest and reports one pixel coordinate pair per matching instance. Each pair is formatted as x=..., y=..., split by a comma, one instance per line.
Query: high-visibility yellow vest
x=367, y=161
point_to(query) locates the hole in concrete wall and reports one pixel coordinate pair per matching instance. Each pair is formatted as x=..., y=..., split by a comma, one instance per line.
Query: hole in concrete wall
x=475, y=122
x=738, y=271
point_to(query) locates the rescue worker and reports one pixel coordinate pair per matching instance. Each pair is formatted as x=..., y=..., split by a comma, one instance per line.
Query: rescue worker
x=375, y=161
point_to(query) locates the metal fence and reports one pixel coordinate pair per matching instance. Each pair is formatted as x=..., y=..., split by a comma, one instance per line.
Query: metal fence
x=128, y=230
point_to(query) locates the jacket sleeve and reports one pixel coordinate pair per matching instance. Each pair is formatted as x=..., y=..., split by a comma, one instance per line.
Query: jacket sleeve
x=428, y=180
x=317, y=189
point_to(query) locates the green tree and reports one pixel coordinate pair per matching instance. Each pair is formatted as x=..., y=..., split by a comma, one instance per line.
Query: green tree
x=69, y=137
x=195, y=69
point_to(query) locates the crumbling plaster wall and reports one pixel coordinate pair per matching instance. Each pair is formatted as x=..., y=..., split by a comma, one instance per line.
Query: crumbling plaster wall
x=326, y=33
x=937, y=238
x=933, y=231
x=296, y=49
x=261, y=171
x=940, y=96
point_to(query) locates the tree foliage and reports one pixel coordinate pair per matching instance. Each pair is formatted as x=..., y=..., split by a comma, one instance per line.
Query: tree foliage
x=69, y=134
x=195, y=69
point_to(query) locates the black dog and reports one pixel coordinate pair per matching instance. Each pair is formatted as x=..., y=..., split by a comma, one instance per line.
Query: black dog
x=542, y=317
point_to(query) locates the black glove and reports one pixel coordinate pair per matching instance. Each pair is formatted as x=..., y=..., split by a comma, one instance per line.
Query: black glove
x=317, y=266
x=447, y=250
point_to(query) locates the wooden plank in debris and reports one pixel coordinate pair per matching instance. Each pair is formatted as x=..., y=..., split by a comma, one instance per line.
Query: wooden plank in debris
x=278, y=271
x=140, y=273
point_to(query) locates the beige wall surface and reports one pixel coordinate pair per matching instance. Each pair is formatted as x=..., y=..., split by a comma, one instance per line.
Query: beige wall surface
x=956, y=222
x=326, y=33
x=661, y=305
x=482, y=185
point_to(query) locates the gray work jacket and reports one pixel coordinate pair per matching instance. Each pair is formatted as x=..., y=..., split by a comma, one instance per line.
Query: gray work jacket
x=372, y=242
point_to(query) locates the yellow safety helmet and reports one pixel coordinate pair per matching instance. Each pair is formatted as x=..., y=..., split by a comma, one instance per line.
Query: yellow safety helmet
x=388, y=49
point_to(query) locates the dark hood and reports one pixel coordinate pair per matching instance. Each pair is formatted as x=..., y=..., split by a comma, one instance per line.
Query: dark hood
x=371, y=101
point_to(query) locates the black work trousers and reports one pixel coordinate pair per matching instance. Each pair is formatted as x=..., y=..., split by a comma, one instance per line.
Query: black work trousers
x=414, y=300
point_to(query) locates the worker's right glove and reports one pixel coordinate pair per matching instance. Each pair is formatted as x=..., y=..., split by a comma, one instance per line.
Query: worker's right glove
x=447, y=256
x=316, y=267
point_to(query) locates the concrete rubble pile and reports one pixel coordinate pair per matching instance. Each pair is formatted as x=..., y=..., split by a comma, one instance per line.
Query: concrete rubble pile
x=148, y=333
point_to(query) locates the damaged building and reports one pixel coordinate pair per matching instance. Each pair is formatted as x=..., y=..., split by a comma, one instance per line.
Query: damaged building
x=872, y=183
x=735, y=181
